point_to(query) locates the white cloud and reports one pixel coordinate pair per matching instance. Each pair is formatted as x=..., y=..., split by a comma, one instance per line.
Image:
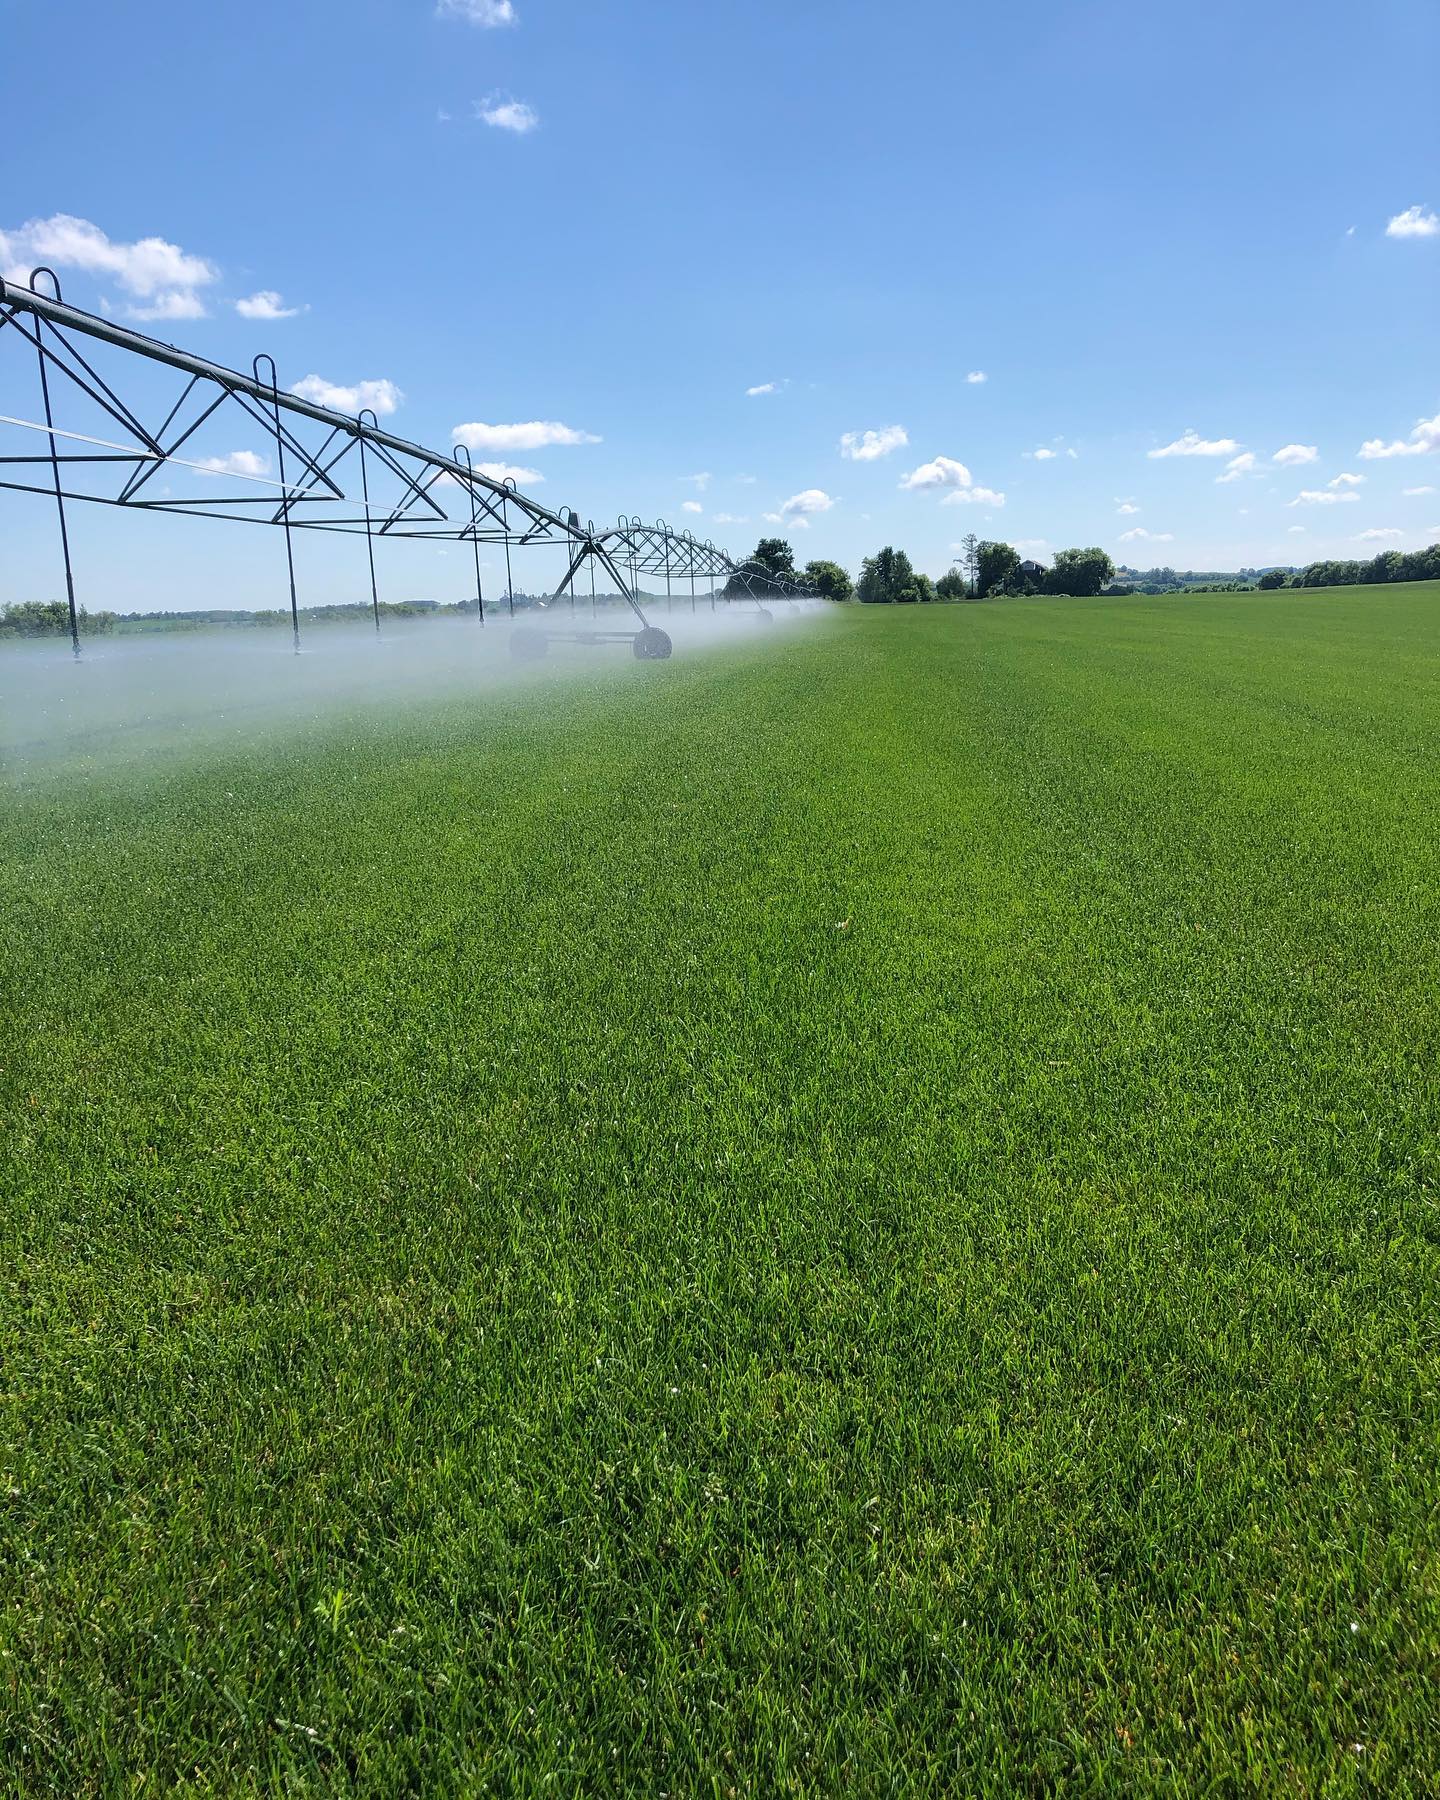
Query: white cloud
x=691, y=506
x=1345, y=480
x=1424, y=438
x=1074, y=455
x=945, y=473
x=1323, y=496
x=973, y=496
x=267, y=304
x=1032, y=545
x=1376, y=534
x=534, y=434
x=1414, y=493
x=1298, y=530
x=1154, y=537
x=160, y=275
x=976, y=376
x=763, y=387
x=731, y=519
x=1244, y=464
x=1126, y=508
x=507, y=115
x=700, y=481
x=809, y=500
x=1042, y=454
x=1191, y=443
x=503, y=472
x=942, y=472
x=1291, y=456
x=1413, y=222
x=747, y=480
x=381, y=397
x=236, y=462
x=869, y=446
x=485, y=13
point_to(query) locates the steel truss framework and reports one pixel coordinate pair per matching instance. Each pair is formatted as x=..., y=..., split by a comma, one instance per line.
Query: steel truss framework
x=332, y=472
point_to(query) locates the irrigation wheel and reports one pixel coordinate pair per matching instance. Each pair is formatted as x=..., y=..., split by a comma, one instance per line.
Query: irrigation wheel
x=651, y=645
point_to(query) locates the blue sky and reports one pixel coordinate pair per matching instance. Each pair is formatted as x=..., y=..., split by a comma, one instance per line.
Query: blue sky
x=1136, y=221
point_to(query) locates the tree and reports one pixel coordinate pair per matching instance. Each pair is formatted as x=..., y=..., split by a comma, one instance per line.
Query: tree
x=1079, y=572
x=1272, y=578
x=886, y=577
x=776, y=555
x=970, y=559
x=951, y=586
x=924, y=587
x=829, y=580
x=995, y=565
x=50, y=618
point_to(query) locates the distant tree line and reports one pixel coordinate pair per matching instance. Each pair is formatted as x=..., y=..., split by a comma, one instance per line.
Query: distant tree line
x=50, y=618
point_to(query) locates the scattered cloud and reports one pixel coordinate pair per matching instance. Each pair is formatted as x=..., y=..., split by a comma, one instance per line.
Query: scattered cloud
x=976, y=376
x=1042, y=454
x=1413, y=222
x=535, y=434
x=267, y=304
x=764, y=387
x=1291, y=456
x=724, y=518
x=507, y=115
x=1127, y=508
x=869, y=446
x=1297, y=530
x=163, y=280
x=699, y=482
x=691, y=506
x=1033, y=546
x=1345, y=479
x=1323, y=496
x=1190, y=443
x=381, y=397
x=235, y=462
x=1074, y=455
x=1243, y=464
x=488, y=14
x=1423, y=439
x=1155, y=537
x=809, y=500
x=747, y=480
x=1414, y=493
x=1377, y=534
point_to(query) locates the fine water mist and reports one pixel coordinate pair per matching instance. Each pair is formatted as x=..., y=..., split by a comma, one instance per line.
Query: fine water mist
x=160, y=695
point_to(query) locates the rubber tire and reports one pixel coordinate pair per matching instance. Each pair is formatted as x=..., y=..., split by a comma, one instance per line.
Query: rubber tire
x=527, y=644
x=651, y=645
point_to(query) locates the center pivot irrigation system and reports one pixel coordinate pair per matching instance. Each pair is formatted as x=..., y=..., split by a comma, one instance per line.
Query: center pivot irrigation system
x=330, y=472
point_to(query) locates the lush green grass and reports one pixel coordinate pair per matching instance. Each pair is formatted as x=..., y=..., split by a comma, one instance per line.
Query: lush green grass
x=857, y=1214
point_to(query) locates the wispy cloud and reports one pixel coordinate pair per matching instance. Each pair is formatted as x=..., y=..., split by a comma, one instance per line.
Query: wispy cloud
x=1137, y=532
x=1190, y=443
x=1238, y=466
x=1415, y=221
x=724, y=518
x=1291, y=456
x=1421, y=441
x=1345, y=480
x=267, y=304
x=976, y=376
x=1415, y=492
x=699, y=482
x=1042, y=454
x=381, y=397
x=535, y=434
x=507, y=115
x=765, y=387
x=691, y=506
x=1377, y=534
x=1127, y=509
x=869, y=446
x=164, y=281
x=488, y=14
x=1323, y=496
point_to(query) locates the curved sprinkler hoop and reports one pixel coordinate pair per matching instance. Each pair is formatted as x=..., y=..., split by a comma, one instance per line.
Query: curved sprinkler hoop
x=55, y=460
x=463, y=450
x=274, y=385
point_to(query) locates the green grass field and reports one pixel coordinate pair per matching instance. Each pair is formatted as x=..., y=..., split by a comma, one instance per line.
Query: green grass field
x=853, y=1214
